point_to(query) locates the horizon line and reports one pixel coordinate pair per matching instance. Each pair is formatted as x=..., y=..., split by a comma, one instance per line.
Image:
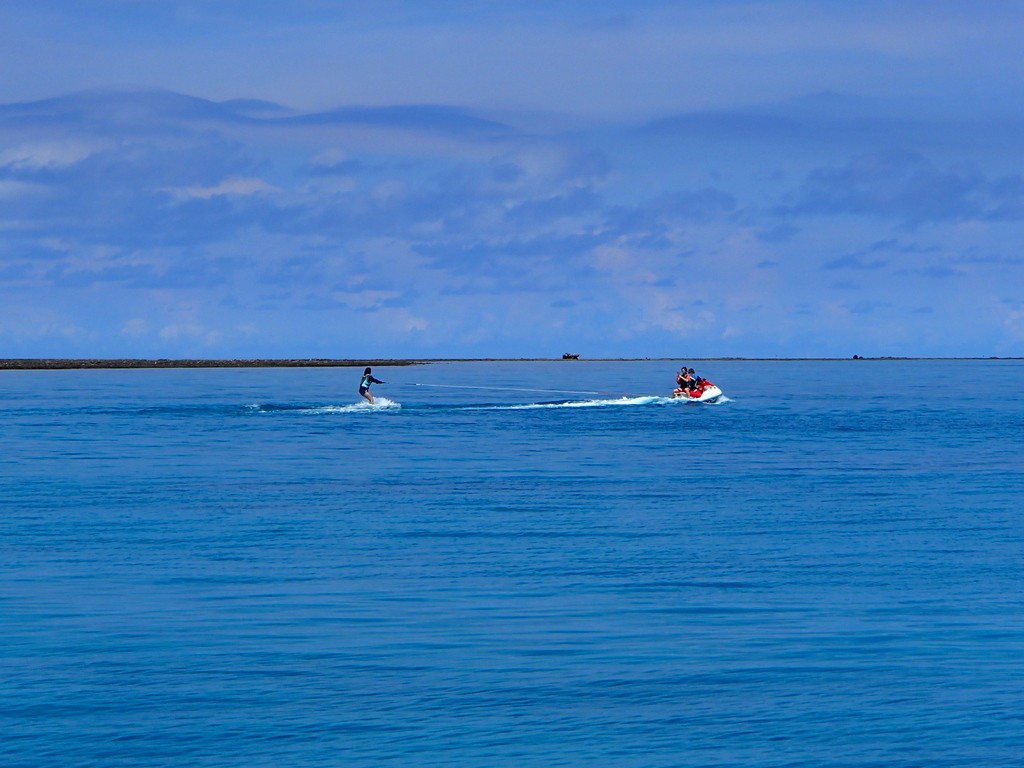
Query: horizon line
x=57, y=363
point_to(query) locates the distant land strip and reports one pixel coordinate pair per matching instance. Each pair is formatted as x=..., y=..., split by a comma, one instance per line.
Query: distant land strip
x=57, y=364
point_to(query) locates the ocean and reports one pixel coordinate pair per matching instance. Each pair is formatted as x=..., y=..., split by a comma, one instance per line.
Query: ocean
x=514, y=564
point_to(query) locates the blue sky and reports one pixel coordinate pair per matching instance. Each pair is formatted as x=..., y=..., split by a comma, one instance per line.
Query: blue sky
x=461, y=179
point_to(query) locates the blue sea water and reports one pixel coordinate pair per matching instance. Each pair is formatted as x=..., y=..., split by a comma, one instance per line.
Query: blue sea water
x=514, y=564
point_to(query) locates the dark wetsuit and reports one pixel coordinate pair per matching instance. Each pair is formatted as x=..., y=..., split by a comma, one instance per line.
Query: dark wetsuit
x=364, y=385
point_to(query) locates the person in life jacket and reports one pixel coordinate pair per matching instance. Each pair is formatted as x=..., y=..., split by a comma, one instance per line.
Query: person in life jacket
x=364, y=385
x=680, y=383
x=697, y=384
x=689, y=385
x=684, y=382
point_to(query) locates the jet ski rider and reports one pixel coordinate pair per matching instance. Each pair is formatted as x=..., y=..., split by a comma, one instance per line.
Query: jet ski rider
x=688, y=383
x=684, y=381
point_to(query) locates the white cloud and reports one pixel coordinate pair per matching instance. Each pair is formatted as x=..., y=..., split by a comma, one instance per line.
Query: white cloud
x=1014, y=322
x=233, y=187
x=330, y=158
x=190, y=332
x=135, y=327
x=328, y=186
x=403, y=321
x=48, y=155
x=364, y=299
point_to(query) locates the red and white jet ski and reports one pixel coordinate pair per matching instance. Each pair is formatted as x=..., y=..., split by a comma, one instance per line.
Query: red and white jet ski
x=705, y=392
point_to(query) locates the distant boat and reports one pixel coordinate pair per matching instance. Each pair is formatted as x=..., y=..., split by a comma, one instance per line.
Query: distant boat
x=570, y=356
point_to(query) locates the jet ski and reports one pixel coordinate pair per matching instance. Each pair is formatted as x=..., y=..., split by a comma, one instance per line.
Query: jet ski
x=705, y=392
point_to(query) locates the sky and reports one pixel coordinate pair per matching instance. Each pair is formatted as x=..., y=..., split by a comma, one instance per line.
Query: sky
x=712, y=178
